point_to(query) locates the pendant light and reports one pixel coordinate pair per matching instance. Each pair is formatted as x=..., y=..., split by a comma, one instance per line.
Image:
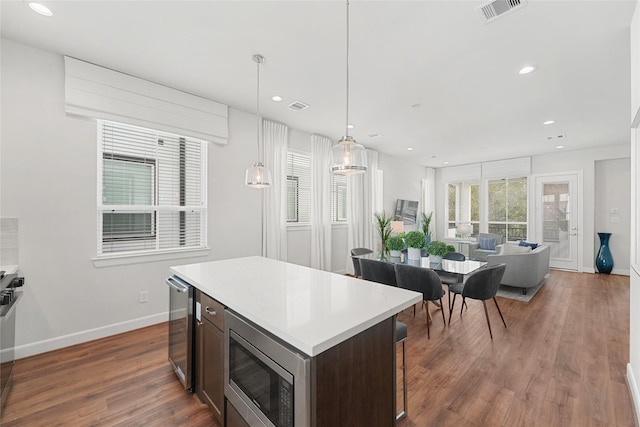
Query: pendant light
x=258, y=176
x=347, y=156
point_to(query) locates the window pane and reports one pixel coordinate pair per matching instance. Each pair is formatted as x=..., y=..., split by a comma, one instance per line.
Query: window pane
x=498, y=228
x=452, y=203
x=338, y=198
x=298, y=194
x=517, y=232
x=517, y=196
x=497, y=201
x=474, y=202
x=127, y=182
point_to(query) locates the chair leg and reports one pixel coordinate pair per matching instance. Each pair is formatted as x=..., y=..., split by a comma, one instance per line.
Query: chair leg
x=486, y=314
x=498, y=307
x=443, y=319
x=451, y=307
x=403, y=413
x=464, y=302
x=426, y=310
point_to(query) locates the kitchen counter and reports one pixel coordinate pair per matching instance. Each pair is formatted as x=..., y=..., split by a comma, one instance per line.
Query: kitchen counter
x=9, y=269
x=310, y=309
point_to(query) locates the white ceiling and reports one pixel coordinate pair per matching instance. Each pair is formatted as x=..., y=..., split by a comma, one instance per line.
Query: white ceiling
x=463, y=72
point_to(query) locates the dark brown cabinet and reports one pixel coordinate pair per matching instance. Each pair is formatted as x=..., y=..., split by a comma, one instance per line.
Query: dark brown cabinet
x=210, y=355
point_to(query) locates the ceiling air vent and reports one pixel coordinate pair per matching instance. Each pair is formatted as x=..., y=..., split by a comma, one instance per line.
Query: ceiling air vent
x=496, y=8
x=297, y=106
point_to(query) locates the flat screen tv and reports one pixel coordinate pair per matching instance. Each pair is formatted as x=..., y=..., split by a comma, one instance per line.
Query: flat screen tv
x=406, y=211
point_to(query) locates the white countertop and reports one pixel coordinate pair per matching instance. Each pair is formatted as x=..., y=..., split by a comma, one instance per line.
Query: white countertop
x=310, y=309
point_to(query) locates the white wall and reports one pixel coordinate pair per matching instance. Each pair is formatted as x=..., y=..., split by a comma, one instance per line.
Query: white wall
x=402, y=180
x=612, y=188
x=633, y=368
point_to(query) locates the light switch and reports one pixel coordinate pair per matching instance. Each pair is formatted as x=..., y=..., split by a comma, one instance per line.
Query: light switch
x=615, y=211
x=615, y=219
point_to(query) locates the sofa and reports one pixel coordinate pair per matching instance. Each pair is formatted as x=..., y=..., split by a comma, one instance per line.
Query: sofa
x=485, y=246
x=526, y=267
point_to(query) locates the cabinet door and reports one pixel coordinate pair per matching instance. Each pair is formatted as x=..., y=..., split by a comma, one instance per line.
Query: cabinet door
x=212, y=368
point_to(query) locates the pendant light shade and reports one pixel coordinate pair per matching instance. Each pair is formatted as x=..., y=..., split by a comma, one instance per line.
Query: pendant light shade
x=347, y=156
x=258, y=176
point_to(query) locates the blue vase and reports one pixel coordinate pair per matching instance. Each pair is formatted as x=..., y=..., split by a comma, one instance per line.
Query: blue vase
x=604, y=260
x=427, y=240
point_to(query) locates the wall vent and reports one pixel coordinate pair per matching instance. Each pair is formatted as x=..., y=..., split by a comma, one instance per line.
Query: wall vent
x=297, y=106
x=496, y=8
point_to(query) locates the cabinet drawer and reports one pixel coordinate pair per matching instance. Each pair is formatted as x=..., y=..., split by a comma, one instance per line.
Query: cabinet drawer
x=212, y=310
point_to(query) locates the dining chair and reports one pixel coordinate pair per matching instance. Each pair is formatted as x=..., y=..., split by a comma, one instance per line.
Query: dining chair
x=356, y=261
x=423, y=280
x=383, y=272
x=482, y=285
x=449, y=279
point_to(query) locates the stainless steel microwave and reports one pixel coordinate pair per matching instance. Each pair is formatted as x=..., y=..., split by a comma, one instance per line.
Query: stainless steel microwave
x=266, y=381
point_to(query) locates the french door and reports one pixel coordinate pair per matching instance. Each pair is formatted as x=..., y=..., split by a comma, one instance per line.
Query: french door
x=557, y=219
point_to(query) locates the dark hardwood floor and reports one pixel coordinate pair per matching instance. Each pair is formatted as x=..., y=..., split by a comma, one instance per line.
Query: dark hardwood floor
x=561, y=362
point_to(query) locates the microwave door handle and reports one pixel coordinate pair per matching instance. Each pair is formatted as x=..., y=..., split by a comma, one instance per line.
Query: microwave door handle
x=175, y=285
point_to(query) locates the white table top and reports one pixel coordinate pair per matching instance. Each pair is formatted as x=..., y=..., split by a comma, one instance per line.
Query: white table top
x=310, y=309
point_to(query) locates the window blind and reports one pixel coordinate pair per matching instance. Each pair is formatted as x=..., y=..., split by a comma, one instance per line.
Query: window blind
x=298, y=188
x=338, y=198
x=151, y=190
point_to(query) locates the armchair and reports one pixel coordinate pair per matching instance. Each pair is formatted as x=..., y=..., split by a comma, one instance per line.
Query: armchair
x=485, y=246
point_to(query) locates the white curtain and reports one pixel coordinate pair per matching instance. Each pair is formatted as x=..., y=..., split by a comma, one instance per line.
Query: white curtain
x=275, y=137
x=429, y=199
x=362, y=189
x=320, y=203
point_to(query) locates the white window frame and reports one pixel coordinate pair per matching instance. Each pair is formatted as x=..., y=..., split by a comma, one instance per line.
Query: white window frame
x=299, y=223
x=154, y=254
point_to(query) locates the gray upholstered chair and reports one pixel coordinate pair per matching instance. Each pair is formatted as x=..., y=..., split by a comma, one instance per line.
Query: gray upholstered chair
x=479, y=252
x=384, y=272
x=449, y=279
x=356, y=261
x=423, y=280
x=378, y=271
x=482, y=285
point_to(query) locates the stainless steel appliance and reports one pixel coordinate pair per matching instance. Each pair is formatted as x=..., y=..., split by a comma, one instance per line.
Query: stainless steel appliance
x=9, y=298
x=181, y=330
x=266, y=381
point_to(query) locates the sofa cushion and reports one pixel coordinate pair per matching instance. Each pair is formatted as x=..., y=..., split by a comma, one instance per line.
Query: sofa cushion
x=487, y=243
x=531, y=245
x=508, y=249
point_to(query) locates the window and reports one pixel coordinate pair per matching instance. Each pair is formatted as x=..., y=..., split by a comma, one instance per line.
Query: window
x=463, y=205
x=452, y=204
x=151, y=191
x=338, y=198
x=507, y=203
x=298, y=188
x=474, y=207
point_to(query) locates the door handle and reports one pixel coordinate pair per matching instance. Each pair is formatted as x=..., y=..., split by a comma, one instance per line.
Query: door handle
x=210, y=311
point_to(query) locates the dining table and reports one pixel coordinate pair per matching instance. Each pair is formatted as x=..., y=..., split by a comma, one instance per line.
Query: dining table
x=444, y=266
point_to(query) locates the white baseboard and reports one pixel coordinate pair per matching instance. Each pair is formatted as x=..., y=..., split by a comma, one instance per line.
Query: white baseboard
x=633, y=388
x=88, y=335
x=343, y=271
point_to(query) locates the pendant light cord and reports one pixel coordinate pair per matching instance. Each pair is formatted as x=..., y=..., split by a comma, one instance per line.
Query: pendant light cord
x=258, y=61
x=346, y=126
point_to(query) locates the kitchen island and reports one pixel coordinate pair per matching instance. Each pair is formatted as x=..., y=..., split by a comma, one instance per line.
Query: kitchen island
x=345, y=326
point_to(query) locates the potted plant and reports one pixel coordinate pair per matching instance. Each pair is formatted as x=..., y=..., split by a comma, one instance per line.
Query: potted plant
x=383, y=224
x=436, y=250
x=395, y=244
x=426, y=223
x=415, y=242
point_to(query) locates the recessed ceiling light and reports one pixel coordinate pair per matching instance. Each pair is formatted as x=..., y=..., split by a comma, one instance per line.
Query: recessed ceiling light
x=549, y=122
x=40, y=8
x=410, y=149
x=528, y=69
x=351, y=126
x=446, y=163
x=276, y=98
x=559, y=147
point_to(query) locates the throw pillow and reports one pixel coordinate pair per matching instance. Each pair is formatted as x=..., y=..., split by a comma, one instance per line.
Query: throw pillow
x=515, y=249
x=531, y=245
x=488, y=243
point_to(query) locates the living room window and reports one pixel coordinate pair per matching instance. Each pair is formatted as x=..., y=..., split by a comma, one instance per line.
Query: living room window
x=507, y=208
x=338, y=198
x=463, y=205
x=151, y=191
x=298, y=188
